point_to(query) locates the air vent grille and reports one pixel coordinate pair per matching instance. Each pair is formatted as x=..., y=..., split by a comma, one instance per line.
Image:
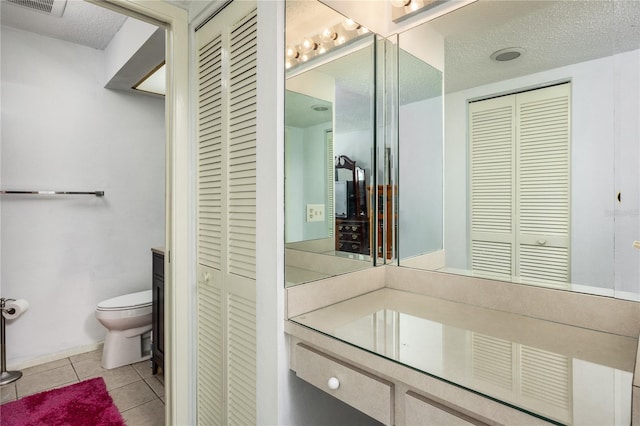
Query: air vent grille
x=50, y=7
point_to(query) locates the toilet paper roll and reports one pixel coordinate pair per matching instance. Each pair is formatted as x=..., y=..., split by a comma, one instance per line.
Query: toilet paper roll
x=15, y=308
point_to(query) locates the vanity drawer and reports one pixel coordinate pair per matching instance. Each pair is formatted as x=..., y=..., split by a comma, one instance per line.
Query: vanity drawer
x=371, y=395
x=421, y=410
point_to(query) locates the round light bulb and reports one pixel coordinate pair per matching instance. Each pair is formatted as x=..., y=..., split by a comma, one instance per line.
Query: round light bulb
x=328, y=35
x=292, y=53
x=362, y=30
x=340, y=40
x=304, y=57
x=288, y=64
x=322, y=49
x=350, y=25
x=308, y=45
x=413, y=6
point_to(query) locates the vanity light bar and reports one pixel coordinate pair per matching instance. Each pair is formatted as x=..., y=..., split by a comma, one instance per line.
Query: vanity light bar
x=329, y=38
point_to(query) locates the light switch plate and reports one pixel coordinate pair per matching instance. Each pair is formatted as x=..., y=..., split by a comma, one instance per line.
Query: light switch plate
x=315, y=212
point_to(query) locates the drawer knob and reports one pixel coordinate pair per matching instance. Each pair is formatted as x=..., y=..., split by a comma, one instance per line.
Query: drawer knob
x=333, y=383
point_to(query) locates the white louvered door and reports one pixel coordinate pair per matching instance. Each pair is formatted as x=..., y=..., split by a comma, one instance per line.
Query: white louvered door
x=226, y=186
x=520, y=185
x=330, y=178
x=543, y=184
x=492, y=153
x=524, y=375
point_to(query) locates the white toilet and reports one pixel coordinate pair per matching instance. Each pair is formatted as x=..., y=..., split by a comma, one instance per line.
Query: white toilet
x=128, y=319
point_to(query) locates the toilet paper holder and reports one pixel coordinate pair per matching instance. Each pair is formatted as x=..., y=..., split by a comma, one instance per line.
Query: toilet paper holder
x=6, y=377
x=3, y=302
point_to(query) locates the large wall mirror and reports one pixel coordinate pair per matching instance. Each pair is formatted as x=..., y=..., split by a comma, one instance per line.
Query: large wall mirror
x=531, y=174
x=329, y=143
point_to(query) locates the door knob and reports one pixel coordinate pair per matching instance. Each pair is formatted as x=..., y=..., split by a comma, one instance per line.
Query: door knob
x=333, y=383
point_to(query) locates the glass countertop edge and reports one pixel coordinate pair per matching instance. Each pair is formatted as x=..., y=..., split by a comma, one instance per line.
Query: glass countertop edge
x=492, y=398
x=612, y=351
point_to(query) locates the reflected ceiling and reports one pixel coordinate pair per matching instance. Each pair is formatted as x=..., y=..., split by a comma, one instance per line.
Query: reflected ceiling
x=304, y=111
x=578, y=31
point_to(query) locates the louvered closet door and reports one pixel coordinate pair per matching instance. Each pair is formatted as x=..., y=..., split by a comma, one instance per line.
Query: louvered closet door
x=524, y=375
x=543, y=185
x=520, y=186
x=226, y=137
x=329, y=161
x=492, y=160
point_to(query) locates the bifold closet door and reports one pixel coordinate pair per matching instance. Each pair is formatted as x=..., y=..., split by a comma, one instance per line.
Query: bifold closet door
x=493, y=167
x=226, y=191
x=520, y=185
x=522, y=374
x=543, y=184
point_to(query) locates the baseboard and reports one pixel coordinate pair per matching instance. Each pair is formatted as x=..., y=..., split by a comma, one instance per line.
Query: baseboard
x=56, y=356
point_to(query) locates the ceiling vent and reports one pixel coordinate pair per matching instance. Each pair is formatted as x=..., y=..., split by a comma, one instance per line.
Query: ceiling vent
x=49, y=7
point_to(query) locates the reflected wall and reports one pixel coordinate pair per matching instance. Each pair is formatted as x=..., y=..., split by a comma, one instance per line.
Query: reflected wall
x=595, y=48
x=329, y=143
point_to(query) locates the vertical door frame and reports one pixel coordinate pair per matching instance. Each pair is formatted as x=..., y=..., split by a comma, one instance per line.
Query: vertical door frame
x=179, y=253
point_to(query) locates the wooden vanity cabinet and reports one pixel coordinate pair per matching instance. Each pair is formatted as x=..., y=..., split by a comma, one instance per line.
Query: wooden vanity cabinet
x=389, y=392
x=419, y=409
x=346, y=382
x=157, y=359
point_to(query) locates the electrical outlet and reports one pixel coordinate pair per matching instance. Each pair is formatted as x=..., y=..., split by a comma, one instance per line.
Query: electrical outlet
x=315, y=212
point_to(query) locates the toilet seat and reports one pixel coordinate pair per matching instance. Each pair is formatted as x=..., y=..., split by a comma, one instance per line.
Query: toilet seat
x=141, y=299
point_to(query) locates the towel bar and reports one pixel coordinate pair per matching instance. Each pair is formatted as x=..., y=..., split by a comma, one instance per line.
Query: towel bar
x=96, y=193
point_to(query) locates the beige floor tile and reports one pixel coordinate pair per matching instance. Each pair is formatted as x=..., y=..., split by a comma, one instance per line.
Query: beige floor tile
x=157, y=386
x=8, y=393
x=132, y=395
x=149, y=414
x=88, y=367
x=46, y=380
x=93, y=355
x=118, y=377
x=143, y=368
x=45, y=367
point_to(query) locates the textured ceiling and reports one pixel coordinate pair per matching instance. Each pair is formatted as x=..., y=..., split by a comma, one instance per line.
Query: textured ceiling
x=82, y=23
x=300, y=112
x=553, y=34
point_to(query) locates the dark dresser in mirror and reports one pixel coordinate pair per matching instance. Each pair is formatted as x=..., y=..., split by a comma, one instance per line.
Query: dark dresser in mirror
x=351, y=209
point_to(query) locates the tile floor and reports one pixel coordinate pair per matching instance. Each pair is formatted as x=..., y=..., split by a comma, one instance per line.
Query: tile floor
x=138, y=394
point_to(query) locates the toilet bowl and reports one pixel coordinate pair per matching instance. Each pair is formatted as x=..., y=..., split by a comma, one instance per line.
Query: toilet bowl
x=128, y=321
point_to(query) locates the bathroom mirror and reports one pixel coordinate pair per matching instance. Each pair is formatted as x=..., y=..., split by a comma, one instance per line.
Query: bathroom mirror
x=539, y=154
x=329, y=140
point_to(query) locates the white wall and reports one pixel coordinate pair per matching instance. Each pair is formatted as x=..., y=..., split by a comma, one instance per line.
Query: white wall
x=420, y=177
x=127, y=41
x=294, y=186
x=594, y=127
x=354, y=124
x=627, y=173
x=315, y=178
x=61, y=130
x=357, y=145
x=306, y=170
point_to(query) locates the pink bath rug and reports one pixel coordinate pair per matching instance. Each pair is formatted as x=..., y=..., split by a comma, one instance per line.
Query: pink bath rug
x=82, y=404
